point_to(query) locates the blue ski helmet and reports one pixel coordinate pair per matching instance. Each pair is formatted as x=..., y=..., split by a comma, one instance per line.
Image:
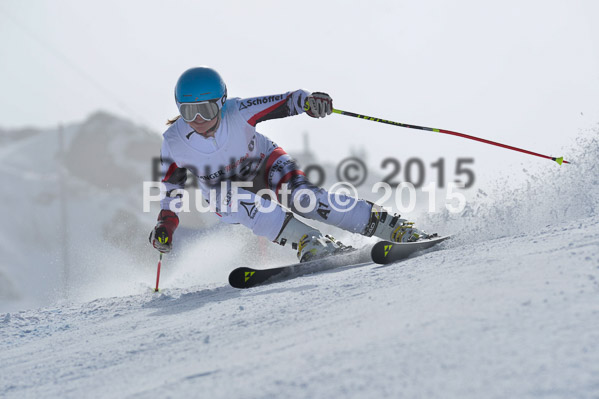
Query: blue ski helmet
x=200, y=91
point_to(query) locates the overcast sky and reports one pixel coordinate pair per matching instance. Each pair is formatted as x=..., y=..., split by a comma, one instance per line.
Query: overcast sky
x=521, y=72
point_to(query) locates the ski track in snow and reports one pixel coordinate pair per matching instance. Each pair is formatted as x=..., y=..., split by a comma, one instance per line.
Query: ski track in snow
x=511, y=317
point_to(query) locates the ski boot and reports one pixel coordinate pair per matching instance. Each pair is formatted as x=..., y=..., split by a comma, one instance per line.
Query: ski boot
x=317, y=247
x=392, y=227
x=308, y=241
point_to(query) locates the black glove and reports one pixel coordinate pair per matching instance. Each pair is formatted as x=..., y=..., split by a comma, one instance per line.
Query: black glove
x=318, y=105
x=162, y=235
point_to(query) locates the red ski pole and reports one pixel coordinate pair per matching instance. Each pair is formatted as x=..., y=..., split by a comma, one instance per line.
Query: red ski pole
x=158, y=272
x=559, y=160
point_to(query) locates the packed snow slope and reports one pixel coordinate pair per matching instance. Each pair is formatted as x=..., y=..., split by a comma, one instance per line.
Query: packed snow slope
x=508, y=308
x=510, y=317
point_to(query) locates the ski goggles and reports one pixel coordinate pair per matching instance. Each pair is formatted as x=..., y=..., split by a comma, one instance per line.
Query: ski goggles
x=207, y=110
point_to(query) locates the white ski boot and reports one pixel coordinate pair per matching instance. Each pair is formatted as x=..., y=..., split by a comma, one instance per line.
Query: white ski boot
x=316, y=247
x=392, y=227
x=308, y=241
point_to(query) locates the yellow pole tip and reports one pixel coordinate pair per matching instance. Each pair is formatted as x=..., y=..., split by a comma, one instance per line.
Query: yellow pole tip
x=559, y=160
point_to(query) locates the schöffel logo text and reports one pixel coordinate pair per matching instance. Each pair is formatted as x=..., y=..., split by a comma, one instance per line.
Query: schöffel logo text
x=257, y=101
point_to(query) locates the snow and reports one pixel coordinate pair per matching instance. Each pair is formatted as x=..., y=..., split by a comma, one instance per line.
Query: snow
x=510, y=317
x=509, y=307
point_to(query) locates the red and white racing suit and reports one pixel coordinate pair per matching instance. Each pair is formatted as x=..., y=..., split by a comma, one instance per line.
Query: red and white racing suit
x=237, y=152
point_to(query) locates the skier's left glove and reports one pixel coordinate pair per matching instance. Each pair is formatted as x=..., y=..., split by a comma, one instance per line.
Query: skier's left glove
x=162, y=235
x=318, y=105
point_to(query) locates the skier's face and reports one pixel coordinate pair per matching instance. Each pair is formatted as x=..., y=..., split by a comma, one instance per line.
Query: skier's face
x=202, y=126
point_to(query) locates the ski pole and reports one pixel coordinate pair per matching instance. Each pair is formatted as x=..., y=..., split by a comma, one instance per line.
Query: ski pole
x=158, y=272
x=559, y=160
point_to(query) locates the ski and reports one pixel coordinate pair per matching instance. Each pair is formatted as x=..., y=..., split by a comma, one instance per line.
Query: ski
x=384, y=252
x=246, y=277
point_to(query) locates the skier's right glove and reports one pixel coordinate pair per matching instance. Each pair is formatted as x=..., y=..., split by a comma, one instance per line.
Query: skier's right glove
x=162, y=235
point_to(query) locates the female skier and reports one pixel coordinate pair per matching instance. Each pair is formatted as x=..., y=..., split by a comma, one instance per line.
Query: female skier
x=215, y=138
